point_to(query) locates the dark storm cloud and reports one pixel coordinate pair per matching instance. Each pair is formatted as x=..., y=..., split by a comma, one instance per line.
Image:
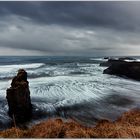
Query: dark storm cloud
x=117, y=15
x=69, y=28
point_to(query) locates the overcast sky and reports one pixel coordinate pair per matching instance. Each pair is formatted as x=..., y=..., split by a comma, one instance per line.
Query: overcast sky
x=70, y=28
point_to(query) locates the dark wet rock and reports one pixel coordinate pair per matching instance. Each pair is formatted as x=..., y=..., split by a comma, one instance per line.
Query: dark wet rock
x=110, y=62
x=18, y=98
x=122, y=68
x=106, y=57
x=115, y=61
x=126, y=58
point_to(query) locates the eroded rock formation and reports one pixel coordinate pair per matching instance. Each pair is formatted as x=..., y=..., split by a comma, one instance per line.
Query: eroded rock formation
x=122, y=68
x=18, y=98
x=111, y=61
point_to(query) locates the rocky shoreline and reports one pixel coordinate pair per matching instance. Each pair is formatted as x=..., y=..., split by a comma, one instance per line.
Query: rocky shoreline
x=123, y=68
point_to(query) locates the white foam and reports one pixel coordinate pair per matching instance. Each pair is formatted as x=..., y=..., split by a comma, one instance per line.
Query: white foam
x=138, y=60
x=10, y=68
x=98, y=59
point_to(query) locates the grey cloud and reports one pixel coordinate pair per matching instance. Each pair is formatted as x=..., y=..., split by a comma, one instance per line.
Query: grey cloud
x=91, y=28
x=61, y=40
x=117, y=15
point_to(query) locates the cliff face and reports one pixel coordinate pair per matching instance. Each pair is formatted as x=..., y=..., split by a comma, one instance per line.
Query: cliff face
x=122, y=68
x=128, y=69
x=18, y=98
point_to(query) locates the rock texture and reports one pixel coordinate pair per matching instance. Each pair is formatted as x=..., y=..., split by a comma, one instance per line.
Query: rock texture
x=116, y=61
x=126, y=58
x=122, y=68
x=18, y=98
x=110, y=62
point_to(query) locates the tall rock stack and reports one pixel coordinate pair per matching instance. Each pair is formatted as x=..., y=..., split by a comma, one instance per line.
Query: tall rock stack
x=18, y=98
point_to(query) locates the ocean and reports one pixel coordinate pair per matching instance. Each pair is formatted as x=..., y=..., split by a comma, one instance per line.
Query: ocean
x=70, y=88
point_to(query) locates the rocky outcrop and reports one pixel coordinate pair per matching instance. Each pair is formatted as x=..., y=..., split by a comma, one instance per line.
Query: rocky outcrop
x=18, y=98
x=123, y=68
x=106, y=57
x=115, y=61
x=110, y=62
x=126, y=58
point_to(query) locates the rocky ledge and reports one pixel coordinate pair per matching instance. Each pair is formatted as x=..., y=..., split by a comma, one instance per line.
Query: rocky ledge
x=18, y=98
x=116, y=60
x=122, y=68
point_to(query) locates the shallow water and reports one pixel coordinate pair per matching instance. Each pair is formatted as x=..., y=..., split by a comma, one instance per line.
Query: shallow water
x=69, y=87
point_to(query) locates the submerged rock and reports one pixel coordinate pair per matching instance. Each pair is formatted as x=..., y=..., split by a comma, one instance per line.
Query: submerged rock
x=18, y=98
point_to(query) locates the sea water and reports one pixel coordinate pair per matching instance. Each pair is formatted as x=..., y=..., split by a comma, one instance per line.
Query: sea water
x=70, y=88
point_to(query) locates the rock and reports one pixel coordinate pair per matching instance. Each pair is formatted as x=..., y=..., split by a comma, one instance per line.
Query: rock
x=106, y=57
x=123, y=68
x=18, y=98
x=115, y=60
x=126, y=58
x=109, y=62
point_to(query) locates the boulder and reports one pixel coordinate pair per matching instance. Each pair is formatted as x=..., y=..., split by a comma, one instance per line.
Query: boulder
x=18, y=98
x=123, y=68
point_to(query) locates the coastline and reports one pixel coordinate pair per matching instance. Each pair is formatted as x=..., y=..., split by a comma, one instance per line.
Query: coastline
x=126, y=126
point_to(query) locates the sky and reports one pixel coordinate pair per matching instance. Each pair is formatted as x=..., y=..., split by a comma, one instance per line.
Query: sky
x=70, y=28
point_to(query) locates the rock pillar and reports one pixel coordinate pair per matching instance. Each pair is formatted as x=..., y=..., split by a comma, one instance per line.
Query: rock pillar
x=18, y=98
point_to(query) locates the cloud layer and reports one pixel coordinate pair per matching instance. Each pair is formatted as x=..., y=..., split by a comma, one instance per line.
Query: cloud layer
x=69, y=28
